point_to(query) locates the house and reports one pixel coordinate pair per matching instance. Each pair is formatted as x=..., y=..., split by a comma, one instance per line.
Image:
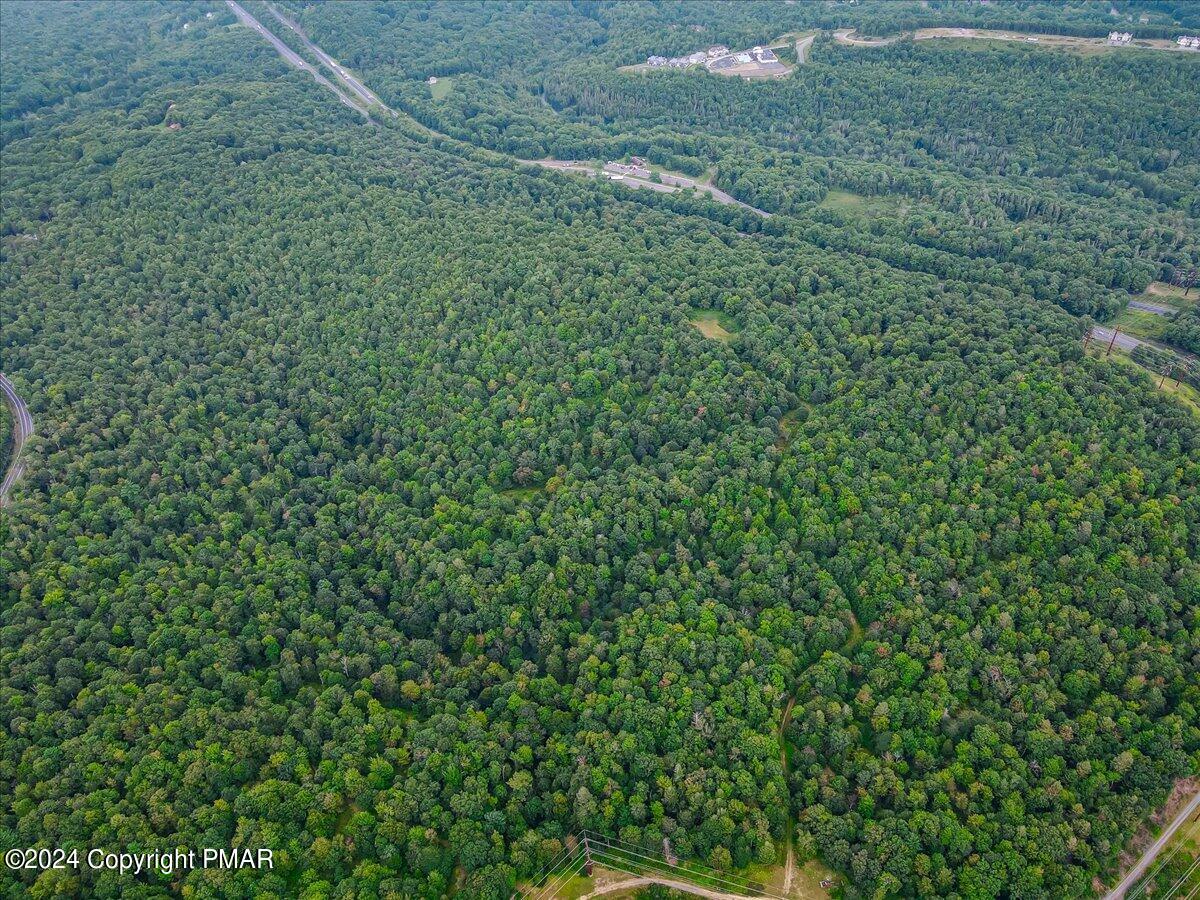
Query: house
x=432, y=79
x=717, y=50
x=656, y=62
x=1189, y=42
x=174, y=126
x=637, y=161
x=1119, y=38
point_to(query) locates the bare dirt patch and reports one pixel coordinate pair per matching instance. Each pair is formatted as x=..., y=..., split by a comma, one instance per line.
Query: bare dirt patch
x=1058, y=41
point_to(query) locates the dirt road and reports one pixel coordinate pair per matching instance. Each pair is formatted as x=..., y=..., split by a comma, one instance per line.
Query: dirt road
x=22, y=429
x=634, y=883
x=1060, y=41
x=844, y=36
x=803, y=46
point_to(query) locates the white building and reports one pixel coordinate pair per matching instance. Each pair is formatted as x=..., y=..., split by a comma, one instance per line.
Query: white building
x=656, y=62
x=1119, y=37
x=696, y=58
x=717, y=50
x=1189, y=42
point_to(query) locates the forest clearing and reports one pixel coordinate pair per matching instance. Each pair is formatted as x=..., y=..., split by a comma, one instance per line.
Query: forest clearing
x=715, y=324
x=1083, y=45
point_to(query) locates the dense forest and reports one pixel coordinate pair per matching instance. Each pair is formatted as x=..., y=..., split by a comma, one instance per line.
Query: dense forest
x=387, y=509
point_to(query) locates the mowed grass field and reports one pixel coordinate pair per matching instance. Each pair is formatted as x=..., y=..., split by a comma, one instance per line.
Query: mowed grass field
x=712, y=323
x=441, y=88
x=862, y=206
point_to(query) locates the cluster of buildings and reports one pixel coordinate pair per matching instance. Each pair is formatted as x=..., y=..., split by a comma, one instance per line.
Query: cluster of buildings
x=676, y=62
x=715, y=57
x=753, y=55
x=1189, y=42
x=1119, y=38
x=637, y=167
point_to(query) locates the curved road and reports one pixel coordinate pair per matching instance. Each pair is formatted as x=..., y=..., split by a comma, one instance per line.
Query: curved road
x=22, y=429
x=802, y=47
x=1153, y=850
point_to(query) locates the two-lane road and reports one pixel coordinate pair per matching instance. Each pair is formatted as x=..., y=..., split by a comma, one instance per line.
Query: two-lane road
x=22, y=429
x=1104, y=336
x=1153, y=850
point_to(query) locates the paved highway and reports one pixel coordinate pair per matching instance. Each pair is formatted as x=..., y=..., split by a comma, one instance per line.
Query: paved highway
x=1102, y=336
x=293, y=57
x=364, y=93
x=1154, y=849
x=22, y=429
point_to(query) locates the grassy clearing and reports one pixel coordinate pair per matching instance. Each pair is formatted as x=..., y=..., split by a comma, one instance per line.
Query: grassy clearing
x=713, y=323
x=1141, y=323
x=851, y=204
x=439, y=89
x=787, y=428
x=806, y=879
x=1161, y=292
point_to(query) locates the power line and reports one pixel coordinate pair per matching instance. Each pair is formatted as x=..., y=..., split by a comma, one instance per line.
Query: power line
x=675, y=867
x=566, y=875
x=633, y=850
x=680, y=871
x=554, y=863
x=1192, y=868
x=1145, y=882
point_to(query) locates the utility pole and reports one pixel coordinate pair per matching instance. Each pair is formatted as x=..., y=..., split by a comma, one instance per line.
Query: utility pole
x=1166, y=372
x=1116, y=331
x=587, y=853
